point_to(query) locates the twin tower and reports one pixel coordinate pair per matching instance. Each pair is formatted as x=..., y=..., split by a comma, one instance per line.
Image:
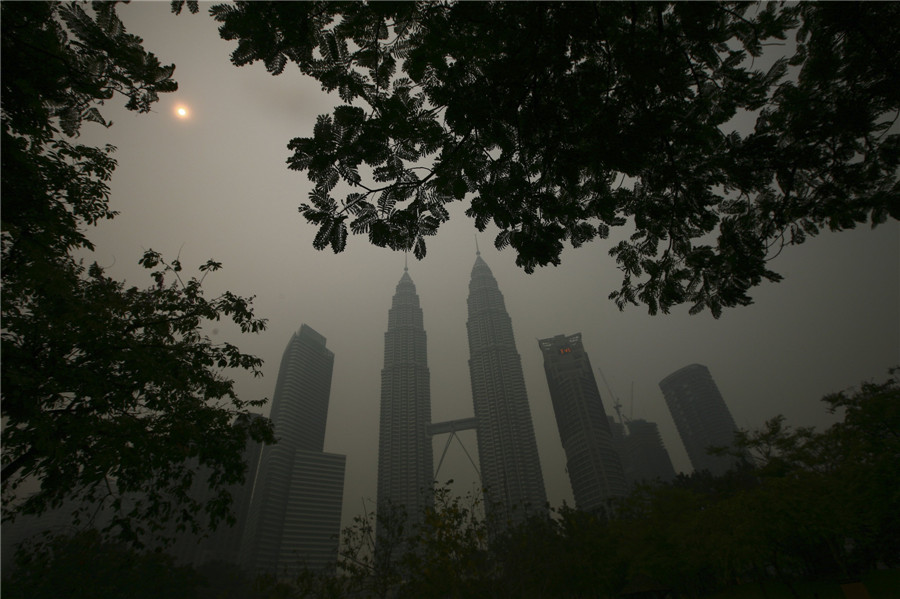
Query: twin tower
x=510, y=468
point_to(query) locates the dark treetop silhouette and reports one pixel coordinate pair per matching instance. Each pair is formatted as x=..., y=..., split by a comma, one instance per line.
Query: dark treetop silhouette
x=112, y=395
x=559, y=121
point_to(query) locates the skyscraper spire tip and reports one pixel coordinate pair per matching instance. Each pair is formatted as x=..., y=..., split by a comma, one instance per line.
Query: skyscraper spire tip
x=477, y=251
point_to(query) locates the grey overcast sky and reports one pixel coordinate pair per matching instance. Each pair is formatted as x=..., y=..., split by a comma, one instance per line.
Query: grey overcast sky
x=216, y=185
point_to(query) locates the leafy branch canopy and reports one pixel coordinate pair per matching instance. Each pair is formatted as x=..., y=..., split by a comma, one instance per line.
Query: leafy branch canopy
x=113, y=395
x=558, y=121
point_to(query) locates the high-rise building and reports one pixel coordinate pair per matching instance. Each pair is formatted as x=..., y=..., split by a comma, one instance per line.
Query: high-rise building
x=507, y=449
x=701, y=416
x=640, y=446
x=312, y=523
x=224, y=543
x=592, y=461
x=645, y=457
x=295, y=513
x=302, y=390
x=405, y=462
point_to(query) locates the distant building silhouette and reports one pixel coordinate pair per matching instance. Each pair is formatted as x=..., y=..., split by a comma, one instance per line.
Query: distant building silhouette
x=220, y=545
x=224, y=543
x=640, y=446
x=645, y=457
x=55, y=521
x=405, y=461
x=701, y=416
x=594, y=466
x=507, y=449
x=295, y=513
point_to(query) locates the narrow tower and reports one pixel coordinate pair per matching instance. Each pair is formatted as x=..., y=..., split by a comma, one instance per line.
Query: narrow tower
x=295, y=513
x=510, y=467
x=594, y=467
x=701, y=416
x=404, y=446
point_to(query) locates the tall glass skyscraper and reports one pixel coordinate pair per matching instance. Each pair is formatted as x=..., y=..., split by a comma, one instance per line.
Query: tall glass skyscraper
x=295, y=513
x=405, y=462
x=701, y=416
x=510, y=467
x=592, y=461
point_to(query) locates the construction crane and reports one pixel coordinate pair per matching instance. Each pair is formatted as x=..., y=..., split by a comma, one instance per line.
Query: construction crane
x=617, y=405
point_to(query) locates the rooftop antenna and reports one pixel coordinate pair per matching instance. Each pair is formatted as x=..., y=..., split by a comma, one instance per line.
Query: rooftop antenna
x=477, y=251
x=405, y=261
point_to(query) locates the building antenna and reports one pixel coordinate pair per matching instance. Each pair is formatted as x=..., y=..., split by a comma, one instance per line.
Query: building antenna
x=405, y=261
x=477, y=251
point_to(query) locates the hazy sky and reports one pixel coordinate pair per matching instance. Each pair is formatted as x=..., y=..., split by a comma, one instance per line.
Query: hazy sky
x=216, y=186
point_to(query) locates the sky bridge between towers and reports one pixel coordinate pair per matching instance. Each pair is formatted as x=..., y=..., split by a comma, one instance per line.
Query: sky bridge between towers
x=451, y=428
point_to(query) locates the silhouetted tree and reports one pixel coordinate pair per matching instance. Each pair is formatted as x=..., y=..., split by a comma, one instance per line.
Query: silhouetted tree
x=447, y=555
x=371, y=550
x=561, y=120
x=831, y=499
x=84, y=566
x=111, y=395
x=802, y=505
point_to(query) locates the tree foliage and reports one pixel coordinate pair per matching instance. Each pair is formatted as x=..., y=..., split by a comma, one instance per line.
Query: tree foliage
x=843, y=482
x=85, y=566
x=371, y=549
x=558, y=121
x=803, y=505
x=112, y=394
x=447, y=554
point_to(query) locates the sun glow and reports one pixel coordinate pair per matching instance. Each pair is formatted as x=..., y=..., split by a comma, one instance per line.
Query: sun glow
x=182, y=112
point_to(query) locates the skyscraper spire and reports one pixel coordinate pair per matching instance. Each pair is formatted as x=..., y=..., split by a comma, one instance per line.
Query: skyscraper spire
x=405, y=462
x=477, y=251
x=510, y=467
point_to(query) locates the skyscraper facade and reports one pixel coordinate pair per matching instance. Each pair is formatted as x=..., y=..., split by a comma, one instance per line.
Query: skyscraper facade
x=701, y=416
x=405, y=461
x=646, y=458
x=594, y=466
x=295, y=511
x=510, y=466
x=640, y=446
x=302, y=390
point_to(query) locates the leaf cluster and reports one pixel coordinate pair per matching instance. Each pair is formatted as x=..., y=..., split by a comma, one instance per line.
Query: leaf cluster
x=557, y=121
x=60, y=62
x=112, y=395
x=371, y=549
